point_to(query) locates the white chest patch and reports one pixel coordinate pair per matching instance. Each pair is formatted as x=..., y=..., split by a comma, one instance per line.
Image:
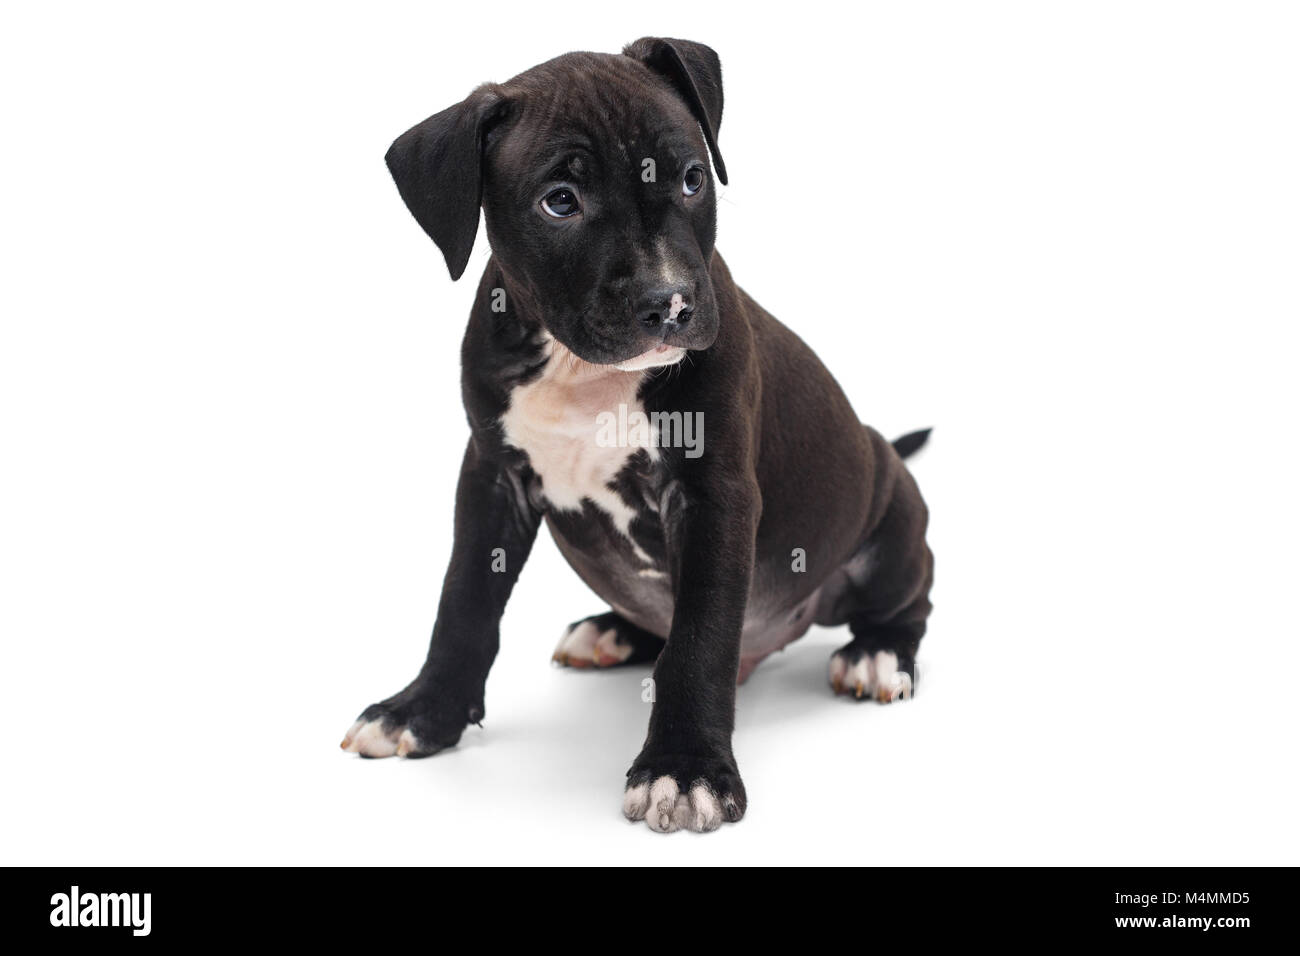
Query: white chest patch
x=556, y=420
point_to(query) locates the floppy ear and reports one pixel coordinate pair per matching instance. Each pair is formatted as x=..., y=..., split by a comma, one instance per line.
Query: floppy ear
x=438, y=168
x=696, y=73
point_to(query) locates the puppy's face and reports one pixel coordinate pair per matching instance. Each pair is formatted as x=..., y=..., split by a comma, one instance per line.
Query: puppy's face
x=599, y=199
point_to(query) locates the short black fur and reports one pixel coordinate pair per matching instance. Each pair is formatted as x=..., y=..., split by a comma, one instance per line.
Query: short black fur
x=704, y=565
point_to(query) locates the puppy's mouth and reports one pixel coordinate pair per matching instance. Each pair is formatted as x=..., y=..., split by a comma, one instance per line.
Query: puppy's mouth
x=661, y=354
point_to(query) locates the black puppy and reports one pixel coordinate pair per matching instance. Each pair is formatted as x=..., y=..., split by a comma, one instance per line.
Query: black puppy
x=696, y=463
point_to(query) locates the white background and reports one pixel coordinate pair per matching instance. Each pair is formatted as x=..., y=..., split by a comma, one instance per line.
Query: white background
x=1064, y=235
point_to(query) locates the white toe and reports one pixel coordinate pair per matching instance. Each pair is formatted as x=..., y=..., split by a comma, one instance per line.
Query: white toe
x=857, y=679
x=371, y=741
x=663, y=801
x=578, y=643
x=350, y=737
x=839, y=668
x=636, y=800
x=608, y=649
x=706, y=809
x=886, y=666
x=891, y=683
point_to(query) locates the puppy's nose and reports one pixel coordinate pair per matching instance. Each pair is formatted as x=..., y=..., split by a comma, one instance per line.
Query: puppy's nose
x=664, y=309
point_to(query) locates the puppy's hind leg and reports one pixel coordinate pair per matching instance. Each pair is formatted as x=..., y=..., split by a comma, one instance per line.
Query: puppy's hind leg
x=876, y=664
x=606, y=640
x=887, y=614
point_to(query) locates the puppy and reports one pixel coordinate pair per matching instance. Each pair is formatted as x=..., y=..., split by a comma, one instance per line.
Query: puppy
x=695, y=462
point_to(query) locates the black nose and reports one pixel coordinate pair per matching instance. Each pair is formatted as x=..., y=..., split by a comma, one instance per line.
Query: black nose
x=664, y=309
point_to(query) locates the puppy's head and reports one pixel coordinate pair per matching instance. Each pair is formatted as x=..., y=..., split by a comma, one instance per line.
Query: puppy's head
x=593, y=174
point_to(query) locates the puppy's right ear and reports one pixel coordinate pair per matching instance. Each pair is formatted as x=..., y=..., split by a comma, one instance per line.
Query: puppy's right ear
x=438, y=168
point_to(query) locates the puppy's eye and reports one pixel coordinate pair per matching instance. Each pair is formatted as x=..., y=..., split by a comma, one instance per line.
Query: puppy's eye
x=561, y=203
x=693, y=182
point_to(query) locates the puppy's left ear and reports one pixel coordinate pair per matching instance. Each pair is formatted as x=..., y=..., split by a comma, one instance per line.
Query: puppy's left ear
x=438, y=168
x=696, y=73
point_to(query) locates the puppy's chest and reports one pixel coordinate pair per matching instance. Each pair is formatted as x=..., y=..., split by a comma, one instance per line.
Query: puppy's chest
x=580, y=433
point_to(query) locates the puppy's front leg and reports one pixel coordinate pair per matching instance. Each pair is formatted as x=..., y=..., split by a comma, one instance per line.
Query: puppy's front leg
x=495, y=529
x=686, y=776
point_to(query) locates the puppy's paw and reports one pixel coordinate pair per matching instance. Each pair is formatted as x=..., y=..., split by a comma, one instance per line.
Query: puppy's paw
x=585, y=645
x=858, y=673
x=605, y=640
x=409, y=724
x=684, y=794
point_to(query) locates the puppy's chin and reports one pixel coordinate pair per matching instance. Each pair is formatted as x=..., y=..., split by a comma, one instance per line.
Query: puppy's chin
x=657, y=356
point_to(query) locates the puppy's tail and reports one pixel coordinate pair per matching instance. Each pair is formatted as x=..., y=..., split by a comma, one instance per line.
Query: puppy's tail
x=911, y=443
